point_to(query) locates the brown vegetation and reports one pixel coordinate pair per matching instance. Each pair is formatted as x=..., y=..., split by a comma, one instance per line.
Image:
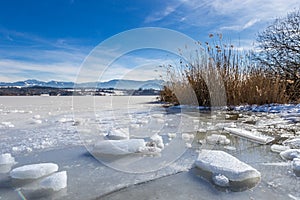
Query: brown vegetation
x=219, y=74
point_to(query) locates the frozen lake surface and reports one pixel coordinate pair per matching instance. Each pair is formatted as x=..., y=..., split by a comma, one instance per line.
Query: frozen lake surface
x=63, y=130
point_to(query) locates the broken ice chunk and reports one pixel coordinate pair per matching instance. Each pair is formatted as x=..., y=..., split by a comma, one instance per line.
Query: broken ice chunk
x=290, y=154
x=118, y=134
x=119, y=147
x=6, y=162
x=157, y=141
x=279, y=148
x=217, y=139
x=187, y=136
x=293, y=143
x=220, y=180
x=296, y=166
x=8, y=124
x=253, y=136
x=33, y=171
x=240, y=175
x=55, y=182
x=6, y=159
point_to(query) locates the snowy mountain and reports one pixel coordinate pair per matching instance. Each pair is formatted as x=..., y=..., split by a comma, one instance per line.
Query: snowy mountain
x=116, y=84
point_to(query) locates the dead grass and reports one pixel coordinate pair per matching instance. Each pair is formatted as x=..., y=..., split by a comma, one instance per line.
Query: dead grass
x=222, y=75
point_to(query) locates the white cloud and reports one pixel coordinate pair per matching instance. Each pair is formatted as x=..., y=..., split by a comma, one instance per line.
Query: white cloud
x=169, y=9
x=241, y=27
x=233, y=14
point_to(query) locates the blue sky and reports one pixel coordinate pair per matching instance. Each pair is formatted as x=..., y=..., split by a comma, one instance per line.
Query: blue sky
x=49, y=39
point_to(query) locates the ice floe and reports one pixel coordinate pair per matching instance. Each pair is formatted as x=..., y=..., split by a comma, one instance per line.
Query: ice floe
x=8, y=124
x=217, y=139
x=65, y=120
x=36, y=116
x=219, y=166
x=293, y=143
x=157, y=141
x=290, y=154
x=171, y=135
x=6, y=159
x=296, y=166
x=220, y=180
x=253, y=136
x=33, y=171
x=119, y=147
x=118, y=134
x=55, y=182
x=279, y=148
x=6, y=162
x=187, y=136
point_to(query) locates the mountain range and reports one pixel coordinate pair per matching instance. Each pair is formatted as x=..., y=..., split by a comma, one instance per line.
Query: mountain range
x=116, y=84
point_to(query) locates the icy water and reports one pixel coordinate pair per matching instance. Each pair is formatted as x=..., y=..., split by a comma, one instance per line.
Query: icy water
x=63, y=130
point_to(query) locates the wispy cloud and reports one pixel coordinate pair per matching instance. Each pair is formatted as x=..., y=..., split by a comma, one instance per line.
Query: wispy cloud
x=241, y=27
x=159, y=15
x=230, y=15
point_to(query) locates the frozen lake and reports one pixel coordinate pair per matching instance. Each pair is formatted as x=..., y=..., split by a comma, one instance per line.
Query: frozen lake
x=63, y=130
